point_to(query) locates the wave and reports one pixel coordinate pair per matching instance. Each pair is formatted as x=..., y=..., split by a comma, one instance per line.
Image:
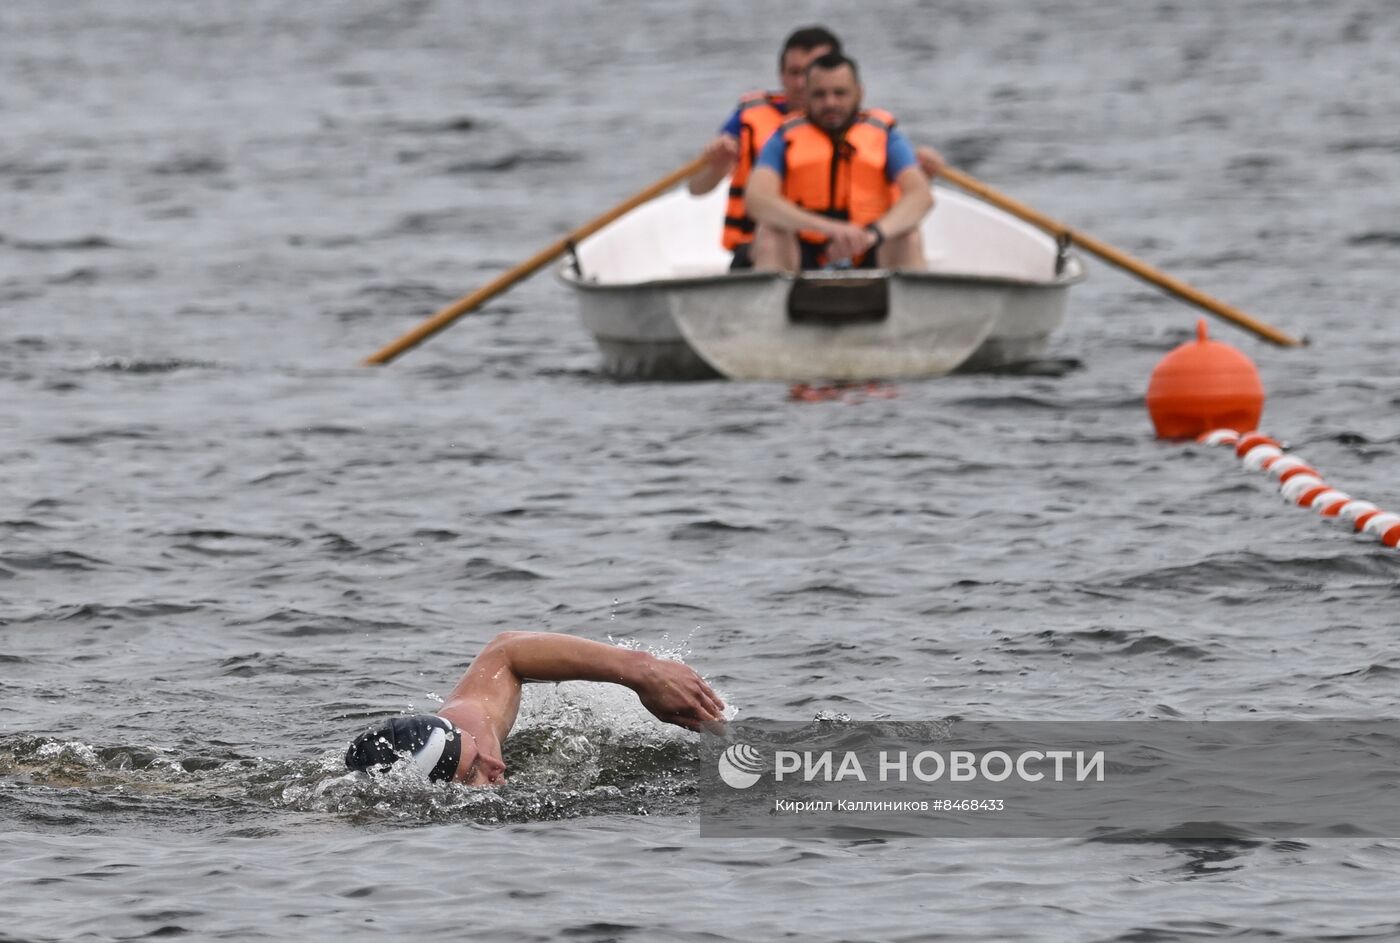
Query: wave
x=23, y=526
x=190, y=165
x=580, y=750
x=32, y=168
x=1357, y=145
x=1102, y=641
x=829, y=588
x=222, y=543
x=513, y=161
x=1022, y=402
x=453, y=222
x=297, y=623
x=138, y=366
x=105, y=435
x=53, y=560
x=492, y=571
x=1053, y=367
x=458, y=125
x=1223, y=576
x=96, y=612
x=712, y=529
x=75, y=244
x=1376, y=237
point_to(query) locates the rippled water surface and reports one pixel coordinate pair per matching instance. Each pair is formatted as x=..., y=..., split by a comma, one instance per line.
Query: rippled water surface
x=224, y=546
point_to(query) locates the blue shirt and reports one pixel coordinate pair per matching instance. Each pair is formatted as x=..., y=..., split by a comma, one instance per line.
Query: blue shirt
x=899, y=155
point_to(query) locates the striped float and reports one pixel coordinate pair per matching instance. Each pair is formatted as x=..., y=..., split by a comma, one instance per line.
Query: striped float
x=1303, y=485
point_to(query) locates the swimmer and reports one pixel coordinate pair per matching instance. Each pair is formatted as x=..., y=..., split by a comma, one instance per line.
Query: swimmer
x=462, y=741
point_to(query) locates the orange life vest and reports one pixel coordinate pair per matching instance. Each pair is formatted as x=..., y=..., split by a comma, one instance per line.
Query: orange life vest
x=760, y=114
x=842, y=178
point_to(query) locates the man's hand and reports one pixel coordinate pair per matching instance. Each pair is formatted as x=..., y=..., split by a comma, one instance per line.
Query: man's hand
x=720, y=155
x=930, y=161
x=722, y=152
x=847, y=241
x=673, y=692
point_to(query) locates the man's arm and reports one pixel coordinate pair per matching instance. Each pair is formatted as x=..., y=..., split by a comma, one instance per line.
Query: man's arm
x=671, y=691
x=721, y=153
x=767, y=205
x=915, y=200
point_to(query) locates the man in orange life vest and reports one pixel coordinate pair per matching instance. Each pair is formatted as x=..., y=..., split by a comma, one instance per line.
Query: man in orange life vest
x=731, y=153
x=820, y=190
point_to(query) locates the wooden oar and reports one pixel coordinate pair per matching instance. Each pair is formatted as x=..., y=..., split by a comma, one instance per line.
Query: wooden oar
x=1120, y=258
x=527, y=268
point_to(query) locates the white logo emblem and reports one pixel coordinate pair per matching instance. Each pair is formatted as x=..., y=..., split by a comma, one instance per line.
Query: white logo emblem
x=740, y=766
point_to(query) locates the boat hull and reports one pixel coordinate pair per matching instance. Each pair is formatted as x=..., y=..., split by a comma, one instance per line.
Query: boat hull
x=988, y=309
x=636, y=335
x=914, y=328
x=1031, y=315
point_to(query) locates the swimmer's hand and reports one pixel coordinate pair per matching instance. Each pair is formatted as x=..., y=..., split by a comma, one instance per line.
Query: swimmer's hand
x=673, y=692
x=669, y=689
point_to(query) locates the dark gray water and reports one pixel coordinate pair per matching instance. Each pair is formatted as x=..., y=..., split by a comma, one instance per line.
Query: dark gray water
x=223, y=545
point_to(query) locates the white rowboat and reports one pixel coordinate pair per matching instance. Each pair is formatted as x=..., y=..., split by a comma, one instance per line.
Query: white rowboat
x=655, y=292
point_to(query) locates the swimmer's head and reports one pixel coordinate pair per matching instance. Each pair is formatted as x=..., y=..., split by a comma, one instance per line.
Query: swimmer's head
x=428, y=742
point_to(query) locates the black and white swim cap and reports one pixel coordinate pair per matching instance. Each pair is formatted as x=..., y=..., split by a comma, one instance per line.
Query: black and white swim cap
x=429, y=742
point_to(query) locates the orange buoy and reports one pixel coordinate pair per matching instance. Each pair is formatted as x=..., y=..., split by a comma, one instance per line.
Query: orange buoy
x=1219, y=437
x=1204, y=385
x=1353, y=509
x=1252, y=440
x=1306, y=499
x=1378, y=525
x=1391, y=537
x=1329, y=503
x=1364, y=518
x=1293, y=471
x=1301, y=484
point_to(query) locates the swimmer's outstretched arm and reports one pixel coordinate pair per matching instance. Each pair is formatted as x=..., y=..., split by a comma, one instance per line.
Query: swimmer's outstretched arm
x=671, y=691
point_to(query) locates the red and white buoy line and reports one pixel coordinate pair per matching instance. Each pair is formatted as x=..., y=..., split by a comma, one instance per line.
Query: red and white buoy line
x=1301, y=484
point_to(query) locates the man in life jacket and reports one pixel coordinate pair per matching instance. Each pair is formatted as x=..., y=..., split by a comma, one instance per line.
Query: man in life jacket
x=823, y=189
x=731, y=153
